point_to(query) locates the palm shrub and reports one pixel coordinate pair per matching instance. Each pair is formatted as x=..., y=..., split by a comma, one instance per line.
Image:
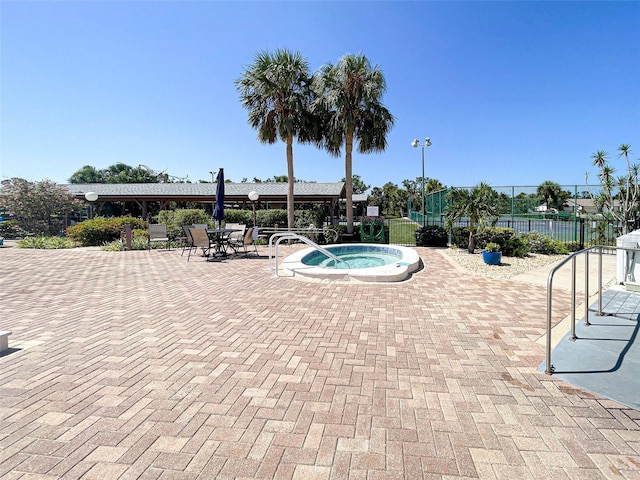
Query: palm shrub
x=478, y=205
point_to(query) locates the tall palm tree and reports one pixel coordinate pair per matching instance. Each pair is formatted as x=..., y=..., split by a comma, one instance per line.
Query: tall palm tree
x=478, y=205
x=349, y=99
x=275, y=89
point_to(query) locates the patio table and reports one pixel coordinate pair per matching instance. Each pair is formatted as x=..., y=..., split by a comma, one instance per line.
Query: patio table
x=220, y=240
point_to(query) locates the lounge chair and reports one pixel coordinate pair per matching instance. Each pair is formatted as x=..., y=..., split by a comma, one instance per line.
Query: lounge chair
x=158, y=233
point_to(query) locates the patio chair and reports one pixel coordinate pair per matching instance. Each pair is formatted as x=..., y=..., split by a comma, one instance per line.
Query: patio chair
x=158, y=233
x=200, y=239
x=188, y=242
x=244, y=242
x=233, y=236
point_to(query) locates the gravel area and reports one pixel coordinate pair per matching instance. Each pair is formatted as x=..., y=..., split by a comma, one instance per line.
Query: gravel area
x=510, y=266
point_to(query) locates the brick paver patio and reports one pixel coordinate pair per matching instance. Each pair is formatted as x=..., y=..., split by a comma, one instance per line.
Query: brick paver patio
x=141, y=365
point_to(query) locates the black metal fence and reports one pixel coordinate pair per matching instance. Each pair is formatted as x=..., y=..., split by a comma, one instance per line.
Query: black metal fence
x=580, y=231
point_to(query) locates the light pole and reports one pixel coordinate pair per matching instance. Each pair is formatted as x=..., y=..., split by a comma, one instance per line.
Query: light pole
x=213, y=179
x=416, y=144
x=253, y=196
x=91, y=197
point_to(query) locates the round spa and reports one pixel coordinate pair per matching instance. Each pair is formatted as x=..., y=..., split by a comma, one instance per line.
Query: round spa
x=363, y=262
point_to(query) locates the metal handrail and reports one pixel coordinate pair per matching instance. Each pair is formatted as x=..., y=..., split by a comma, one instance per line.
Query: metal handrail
x=290, y=235
x=549, y=368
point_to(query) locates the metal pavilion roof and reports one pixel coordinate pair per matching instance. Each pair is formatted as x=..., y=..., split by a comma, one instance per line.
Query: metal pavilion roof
x=304, y=192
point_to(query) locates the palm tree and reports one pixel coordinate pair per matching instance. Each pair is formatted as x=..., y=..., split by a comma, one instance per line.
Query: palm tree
x=349, y=99
x=549, y=192
x=479, y=205
x=87, y=174
x=619, y=195
x=275, y=89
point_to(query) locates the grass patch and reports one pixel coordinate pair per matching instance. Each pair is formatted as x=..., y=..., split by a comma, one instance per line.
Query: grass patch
x=402, y=232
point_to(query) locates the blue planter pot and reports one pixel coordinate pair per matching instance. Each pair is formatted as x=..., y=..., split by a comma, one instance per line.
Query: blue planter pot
x=492, y=258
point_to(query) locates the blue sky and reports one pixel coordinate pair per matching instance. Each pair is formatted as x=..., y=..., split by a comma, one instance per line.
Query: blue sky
x=510, y=93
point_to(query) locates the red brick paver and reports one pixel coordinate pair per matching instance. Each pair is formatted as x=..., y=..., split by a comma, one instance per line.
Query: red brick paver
x=141, y=365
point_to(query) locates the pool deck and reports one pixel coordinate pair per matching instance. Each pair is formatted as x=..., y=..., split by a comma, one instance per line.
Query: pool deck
x=140, y=365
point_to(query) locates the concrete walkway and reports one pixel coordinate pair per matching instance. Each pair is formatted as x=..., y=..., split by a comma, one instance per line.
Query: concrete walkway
x=140, y=365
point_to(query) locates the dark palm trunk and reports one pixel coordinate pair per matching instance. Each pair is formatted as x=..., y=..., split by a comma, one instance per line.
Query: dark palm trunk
x=290, y=183
x=348, y=184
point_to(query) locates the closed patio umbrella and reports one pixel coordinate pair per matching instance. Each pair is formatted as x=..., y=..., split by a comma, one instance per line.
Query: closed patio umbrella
x=218, y=211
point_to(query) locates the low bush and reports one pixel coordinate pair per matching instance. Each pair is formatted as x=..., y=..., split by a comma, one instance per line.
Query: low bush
x=460, y=237
x=515, y=247
x=573, y=246
x=46, y=242
x=539, y=243
x=138, y=242
x=10, y=229
x=499, y=235
x=96, y=231
x=431, y=236
x=175, y=219
x=511, y=243
x=304, y=218
x=332, y=234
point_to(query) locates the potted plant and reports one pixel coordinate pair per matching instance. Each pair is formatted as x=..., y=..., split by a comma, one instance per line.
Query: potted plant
x=492, y=254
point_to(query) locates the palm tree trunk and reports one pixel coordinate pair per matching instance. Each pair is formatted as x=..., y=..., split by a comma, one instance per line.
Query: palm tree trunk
x=348, y=181
x=472, y=242
x=290, y=182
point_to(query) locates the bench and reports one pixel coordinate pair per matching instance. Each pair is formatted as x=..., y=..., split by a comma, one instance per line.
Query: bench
x=4, y=340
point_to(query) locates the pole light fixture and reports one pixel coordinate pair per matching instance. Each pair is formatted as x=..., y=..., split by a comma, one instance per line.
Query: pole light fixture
x=91, y=197
x=253, y=196
x=416, y=144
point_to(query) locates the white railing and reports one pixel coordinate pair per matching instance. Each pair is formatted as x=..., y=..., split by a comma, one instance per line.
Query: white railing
x=279, y=236
x=549, y=368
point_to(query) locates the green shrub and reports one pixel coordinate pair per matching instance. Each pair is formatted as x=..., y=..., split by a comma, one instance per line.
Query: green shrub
x=304, y=218
x=45, y=242
x=101, y=230
x=271, y=218
x=515, y=247
x=175, y=219
x=138, y=242
x=539, y=243
x=243, y=217
x=10, y=229
x=492, y=247
x=332, y=234
x=511, y=243
x=573, y=246
x=460, y=237
x=431, y=236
